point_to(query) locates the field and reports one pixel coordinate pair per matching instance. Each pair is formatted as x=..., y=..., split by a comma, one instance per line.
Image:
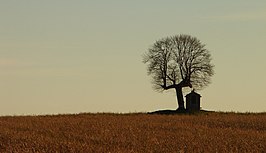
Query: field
x=207, y=132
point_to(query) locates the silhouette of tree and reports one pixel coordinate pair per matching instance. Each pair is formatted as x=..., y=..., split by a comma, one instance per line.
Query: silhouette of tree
x=177, y=62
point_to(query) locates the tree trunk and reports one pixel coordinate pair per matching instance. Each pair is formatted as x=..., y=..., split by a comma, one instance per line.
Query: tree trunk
x=180, y=98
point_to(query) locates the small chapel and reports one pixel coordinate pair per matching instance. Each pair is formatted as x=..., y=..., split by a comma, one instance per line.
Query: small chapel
x=193, y=101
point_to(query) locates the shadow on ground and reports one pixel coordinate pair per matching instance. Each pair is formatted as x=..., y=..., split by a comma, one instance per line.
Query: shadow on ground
x=178, y=111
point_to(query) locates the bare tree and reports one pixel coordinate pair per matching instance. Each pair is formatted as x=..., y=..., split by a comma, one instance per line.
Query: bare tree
x=177, y=62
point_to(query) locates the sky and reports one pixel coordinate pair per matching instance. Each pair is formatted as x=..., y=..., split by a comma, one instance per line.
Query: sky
x=65, y=56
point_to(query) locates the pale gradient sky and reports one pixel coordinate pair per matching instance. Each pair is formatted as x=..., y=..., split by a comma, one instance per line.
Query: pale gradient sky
x=66, y=56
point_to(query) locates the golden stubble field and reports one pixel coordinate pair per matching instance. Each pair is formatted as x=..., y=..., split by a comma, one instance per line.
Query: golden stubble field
x=208, y=132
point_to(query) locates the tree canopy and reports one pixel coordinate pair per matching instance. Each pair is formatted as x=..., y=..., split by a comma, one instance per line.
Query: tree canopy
x=179, y=60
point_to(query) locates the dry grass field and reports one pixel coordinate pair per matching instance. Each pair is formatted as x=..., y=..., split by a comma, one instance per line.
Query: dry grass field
x=207, y=132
